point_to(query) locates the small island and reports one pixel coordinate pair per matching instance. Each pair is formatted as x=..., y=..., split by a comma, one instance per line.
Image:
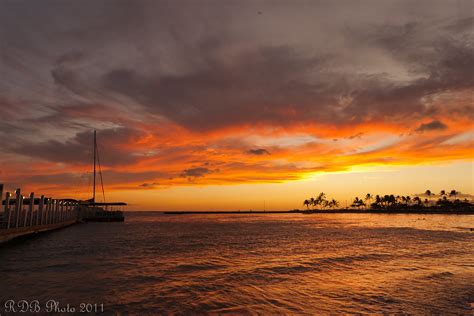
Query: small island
x=426, y=203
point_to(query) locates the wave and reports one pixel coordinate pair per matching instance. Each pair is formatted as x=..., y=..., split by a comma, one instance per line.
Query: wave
x=439, y=276
x=197, y=267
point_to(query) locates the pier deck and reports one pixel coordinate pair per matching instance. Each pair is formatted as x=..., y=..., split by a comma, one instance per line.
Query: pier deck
x=7, y=235
x=23, y=216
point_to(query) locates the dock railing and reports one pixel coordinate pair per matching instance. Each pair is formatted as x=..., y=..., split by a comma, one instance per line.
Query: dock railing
x=20, y=212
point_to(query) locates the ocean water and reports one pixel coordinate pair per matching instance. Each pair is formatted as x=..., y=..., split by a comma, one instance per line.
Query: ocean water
x=248, y=264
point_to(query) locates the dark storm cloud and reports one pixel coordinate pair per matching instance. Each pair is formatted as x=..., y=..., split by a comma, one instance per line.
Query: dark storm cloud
x=273, y=85
x=258, y=151
x=208, y=71
x=78, y=150
x=431, y=126
x=258, y=86
x=70, y=57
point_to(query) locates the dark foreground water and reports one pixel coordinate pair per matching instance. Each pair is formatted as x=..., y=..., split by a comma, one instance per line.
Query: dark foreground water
x=250, y=264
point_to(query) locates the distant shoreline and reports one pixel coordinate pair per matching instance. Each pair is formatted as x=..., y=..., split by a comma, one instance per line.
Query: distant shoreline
x=228, y=212
x=338, y=211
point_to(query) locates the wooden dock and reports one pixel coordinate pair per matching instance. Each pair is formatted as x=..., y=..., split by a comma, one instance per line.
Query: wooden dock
x=22, y=216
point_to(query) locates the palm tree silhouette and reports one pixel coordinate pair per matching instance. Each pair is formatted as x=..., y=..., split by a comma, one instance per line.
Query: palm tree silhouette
x=325, y=204
x=396, y=203
x=418, y=200
x=368, y=197
x=453, y=193
x=307, y=203
x=321, y=200
x=398, y=198
x=355, y=202
x=408, y=199
x=358, y=202
x=378, y=200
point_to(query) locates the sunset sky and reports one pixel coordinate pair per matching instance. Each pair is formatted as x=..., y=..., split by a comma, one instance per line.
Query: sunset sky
x=225, y=105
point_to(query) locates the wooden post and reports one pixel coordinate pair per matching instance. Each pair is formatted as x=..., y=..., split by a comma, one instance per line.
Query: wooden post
x=48, y=211
x=18, y=206
x=39, y=217
x=62, y=211
x=53, y=210
x=7, y=213
x=61, y=207
x=31, y=208
x=44, y=216
x=56, y=215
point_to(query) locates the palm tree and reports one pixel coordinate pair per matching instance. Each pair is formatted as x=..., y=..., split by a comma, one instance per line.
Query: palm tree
x=316, y=202
x=428, y=193
x=391, y=199
x=312, y=201
x=369, y=197
x=405, y=200
x=358, y=202
x=453, y=193
x=418, y=200
x=321, y=199
x=334, y=203
x=442, y=193
x=325, y=203
x=378, y=201
x=307, y=203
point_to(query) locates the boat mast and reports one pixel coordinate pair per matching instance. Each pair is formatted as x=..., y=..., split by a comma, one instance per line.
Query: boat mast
x=95, y=149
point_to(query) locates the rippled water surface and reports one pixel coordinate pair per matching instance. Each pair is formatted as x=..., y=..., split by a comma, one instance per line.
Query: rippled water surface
x=250, y=264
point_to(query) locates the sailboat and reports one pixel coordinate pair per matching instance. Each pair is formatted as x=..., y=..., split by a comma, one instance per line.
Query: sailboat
x=92, y=211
